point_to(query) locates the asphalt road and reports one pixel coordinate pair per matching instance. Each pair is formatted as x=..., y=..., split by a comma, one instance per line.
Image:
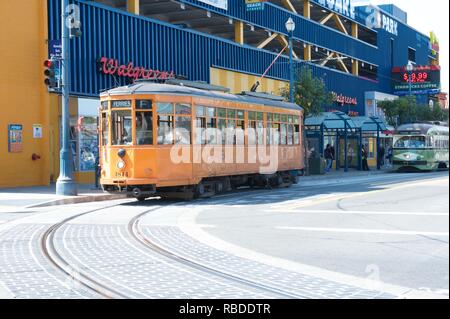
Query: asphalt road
x=394, y=228
x=378, y=236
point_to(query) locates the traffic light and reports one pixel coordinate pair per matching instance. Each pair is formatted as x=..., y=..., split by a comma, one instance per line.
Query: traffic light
x=50, y=74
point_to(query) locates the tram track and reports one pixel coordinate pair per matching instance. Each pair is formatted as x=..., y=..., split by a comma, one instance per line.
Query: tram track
x=50, y=252
x=136, y=233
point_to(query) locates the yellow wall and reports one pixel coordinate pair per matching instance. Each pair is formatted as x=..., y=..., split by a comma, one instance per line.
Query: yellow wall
x=25, y=99
x=238, y=82
x=23, y=49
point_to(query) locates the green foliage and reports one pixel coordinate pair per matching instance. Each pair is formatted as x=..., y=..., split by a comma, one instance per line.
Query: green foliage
x=406, y=110
x=310, y=92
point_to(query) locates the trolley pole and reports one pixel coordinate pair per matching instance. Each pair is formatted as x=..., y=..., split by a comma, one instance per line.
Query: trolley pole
x=65, y=185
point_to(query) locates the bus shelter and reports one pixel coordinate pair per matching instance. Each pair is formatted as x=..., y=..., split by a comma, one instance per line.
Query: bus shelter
x=347, y=135
x=334, y=128
x=371, y=129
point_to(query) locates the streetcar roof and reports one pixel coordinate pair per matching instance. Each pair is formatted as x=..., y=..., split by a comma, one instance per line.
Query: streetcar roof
x=421, y=129
x=167, y=89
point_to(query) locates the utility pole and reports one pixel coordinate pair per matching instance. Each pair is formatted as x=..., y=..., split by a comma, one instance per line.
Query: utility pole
x=65, y=185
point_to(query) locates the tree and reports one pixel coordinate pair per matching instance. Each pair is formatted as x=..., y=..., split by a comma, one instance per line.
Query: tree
x=310, y=92
x=406, y=110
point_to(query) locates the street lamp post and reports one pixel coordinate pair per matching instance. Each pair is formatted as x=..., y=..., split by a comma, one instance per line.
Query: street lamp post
x=410, y=68
x=290, y=27
x=65, y=185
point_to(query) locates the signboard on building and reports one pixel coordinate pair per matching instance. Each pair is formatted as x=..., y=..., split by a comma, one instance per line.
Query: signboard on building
x=423, y=79
x=111, y=66
x=15, y=138
x=37, y=130
x=376, y=19
x=221, y=4
x=54, y=49
x=255, y=5
x=434, y=44
x=344, y=7
x=343, y=100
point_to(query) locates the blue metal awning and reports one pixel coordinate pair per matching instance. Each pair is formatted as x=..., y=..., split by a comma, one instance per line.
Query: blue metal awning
x=331, y=121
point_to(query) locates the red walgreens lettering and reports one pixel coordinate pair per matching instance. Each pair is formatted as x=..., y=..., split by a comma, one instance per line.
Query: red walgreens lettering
x=112, y=67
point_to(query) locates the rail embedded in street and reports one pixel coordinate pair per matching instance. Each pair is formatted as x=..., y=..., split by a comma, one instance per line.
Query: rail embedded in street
x=134, y=229
x=50, y=252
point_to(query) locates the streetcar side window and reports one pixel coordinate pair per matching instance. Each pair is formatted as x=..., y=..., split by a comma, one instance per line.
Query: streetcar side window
x=240, y=128
x=296, y=134
x=121, y=127
x=206, y=125
x=165, y=129
x=183, y=109
x=290, y=134
x=183, y=130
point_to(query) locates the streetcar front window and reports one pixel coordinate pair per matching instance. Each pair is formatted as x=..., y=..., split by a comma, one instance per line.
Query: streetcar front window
x=121, y=127
x=105, y=129
x=144, y=128
x=411, y=142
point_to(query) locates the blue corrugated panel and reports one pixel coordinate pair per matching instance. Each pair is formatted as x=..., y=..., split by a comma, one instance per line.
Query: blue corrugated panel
x=274, y=18
x=151, y=44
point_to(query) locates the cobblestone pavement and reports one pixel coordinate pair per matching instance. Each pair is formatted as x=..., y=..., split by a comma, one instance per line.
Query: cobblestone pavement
x=108, y=254
x=177, y=242
x=26, y=273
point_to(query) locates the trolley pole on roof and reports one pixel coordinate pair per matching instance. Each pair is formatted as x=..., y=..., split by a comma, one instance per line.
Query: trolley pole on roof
x=65, y=185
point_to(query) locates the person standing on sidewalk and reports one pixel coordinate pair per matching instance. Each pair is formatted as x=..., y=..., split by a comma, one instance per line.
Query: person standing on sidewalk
x=381, y=153
x=329, y=157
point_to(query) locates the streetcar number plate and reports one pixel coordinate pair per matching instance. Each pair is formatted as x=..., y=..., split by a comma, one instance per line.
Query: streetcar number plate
x=121, y=174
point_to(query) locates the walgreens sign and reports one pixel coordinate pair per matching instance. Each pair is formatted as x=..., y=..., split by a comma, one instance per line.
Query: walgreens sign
x=111, y=66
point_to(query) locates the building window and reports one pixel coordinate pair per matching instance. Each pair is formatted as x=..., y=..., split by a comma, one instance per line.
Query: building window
x=412, y=55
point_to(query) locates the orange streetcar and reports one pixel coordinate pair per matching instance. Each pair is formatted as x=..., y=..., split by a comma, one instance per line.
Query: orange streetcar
x=195, y=139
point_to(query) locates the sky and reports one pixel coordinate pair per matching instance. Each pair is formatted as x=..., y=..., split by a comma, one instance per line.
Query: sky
x=426, y=16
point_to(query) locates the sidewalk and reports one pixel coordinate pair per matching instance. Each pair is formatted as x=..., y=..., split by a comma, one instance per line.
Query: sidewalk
x=12, y=199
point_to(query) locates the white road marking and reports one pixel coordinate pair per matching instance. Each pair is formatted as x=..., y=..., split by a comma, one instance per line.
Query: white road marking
x=365, y=231
x=347, y=212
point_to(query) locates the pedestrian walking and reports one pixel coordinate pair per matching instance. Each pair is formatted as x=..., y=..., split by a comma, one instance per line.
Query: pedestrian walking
x=329, y=156
x=364, y=159
x=390, y=154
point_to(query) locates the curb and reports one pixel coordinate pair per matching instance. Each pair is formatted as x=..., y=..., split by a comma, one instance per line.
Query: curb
x=340, y=176
x=79, y=200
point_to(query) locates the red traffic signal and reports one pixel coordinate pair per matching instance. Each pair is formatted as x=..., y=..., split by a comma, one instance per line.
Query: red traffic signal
x=49, y=63
x=50, y=74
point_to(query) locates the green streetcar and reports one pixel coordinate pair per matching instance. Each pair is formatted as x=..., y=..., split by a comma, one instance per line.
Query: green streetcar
x=422, y=147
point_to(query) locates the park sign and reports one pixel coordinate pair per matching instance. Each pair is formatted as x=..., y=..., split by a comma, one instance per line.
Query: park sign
x=343, y=7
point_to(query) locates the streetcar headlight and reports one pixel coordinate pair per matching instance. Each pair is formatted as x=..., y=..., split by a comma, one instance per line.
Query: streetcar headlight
x=120, y=164
x=407, y=156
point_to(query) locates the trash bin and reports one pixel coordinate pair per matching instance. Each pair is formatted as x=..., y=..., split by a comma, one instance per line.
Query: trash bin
x=317, y=166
